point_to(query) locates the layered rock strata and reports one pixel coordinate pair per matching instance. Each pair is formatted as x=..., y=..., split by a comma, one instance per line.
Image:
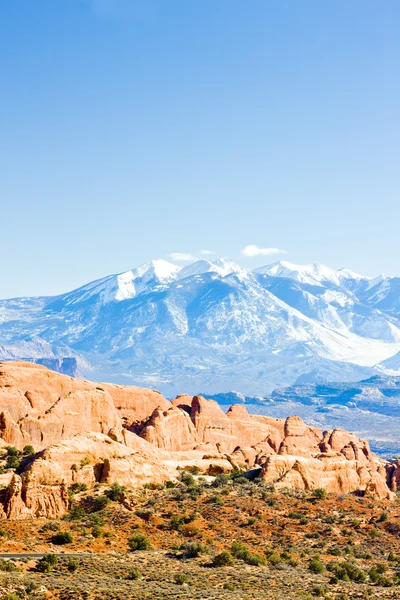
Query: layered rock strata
x=91, y=433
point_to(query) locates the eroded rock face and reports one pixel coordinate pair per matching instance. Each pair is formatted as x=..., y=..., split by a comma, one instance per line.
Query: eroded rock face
x=99, y=433
x=41, y=407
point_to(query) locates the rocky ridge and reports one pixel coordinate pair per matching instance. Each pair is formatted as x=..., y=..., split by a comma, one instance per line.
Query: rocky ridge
x=97, y=433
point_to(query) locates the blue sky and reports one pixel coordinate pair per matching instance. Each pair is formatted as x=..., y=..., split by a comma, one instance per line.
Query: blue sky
x=131, y=130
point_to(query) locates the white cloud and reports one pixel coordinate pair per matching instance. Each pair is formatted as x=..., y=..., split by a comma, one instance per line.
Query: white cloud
x=181, y=257
x=253, y=250
x=207, y=252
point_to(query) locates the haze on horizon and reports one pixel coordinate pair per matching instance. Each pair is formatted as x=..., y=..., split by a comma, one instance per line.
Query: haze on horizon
x=135, y=130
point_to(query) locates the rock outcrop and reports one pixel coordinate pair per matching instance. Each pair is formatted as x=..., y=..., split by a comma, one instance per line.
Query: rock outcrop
x=92, y=433
x=40, y=407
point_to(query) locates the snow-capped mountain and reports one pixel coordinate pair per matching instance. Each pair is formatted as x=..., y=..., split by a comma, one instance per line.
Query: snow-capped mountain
x=215, y=326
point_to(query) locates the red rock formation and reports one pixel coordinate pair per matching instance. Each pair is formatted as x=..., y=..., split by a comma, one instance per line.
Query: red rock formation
x=86, y=432
x=41, y=407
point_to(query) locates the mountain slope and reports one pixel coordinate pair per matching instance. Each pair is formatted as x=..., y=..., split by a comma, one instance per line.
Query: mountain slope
x=214, y=326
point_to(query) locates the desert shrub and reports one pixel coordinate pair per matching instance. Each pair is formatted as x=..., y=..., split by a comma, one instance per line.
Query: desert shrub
x=28, y=450
x=274, y=558
x=134, y=574
x=76, y=487
x=51, y=558
x=187, y=479
x=189, y=530
x=256, y=559
x=11, y=597
x=223, y=559
x=72, y=565
x=320, y=493
x=100, y=502
x=115, y=491
x=334, y=551
x=176, y=522
x=180, y=578
x=319, y=590
x=7, y=565
x=348, y=571
x=12, y=462
x=240, y=551
x=383, y=517
x=62, y=537
x=3, y=534
x=138, y=542
x=95, y=519
x=85, y=461
x=221, y=479
x=151, y=485
x=144, y=514
x=229, y=586
x=216, y=500
x=316, y=565
x=45, y=564
x=373, y=574
x=393, y=528
x=12, y=451
x=241, y=480
x=193, y=549
x=97, y=531
x=76, y=513
x=385, y=581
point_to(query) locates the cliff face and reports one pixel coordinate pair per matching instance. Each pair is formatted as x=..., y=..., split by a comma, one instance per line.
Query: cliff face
x=100, y=433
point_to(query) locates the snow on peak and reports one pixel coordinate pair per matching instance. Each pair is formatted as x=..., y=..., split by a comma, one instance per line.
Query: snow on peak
x=227, y=267
x=313, y=273
x=162, y=269
x=132, y=283
x=198, y=268
x=349, y=274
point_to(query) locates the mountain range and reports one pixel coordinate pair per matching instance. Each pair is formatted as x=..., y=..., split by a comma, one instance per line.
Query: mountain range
x=215, y=326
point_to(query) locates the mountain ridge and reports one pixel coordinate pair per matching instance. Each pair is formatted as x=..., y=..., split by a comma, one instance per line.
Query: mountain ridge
x=183, y=327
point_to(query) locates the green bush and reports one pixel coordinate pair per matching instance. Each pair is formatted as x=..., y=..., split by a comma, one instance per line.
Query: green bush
x=12, y=462
x=320, y=493
x=180, y=578
x=256, y=559
x=62, y=537
x=348, y=571
x=221, y=479
x=274, y=558
x=240, y=551
x=138, y=542
x=28, y=450
x=72, y=565
x=12, y=451
x=134, y=574
x=97, y=531
x=76, y=487
x=7, y=565
x=46, y=564
x=316, y=565
x=115, y=492
x=187, y=479
x=100, y=502
x=76, y=513
x=223, y=559
x=194, y=549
